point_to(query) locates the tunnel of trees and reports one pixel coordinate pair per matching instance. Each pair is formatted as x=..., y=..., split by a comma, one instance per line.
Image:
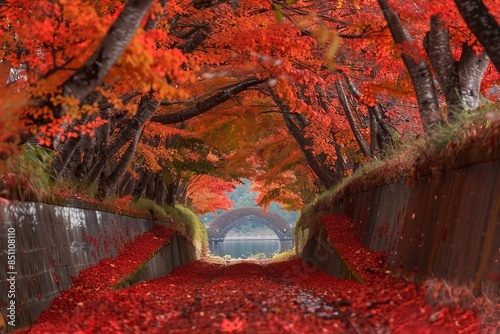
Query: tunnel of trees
x=177, y=100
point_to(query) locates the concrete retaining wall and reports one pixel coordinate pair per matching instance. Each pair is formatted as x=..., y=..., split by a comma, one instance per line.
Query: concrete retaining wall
x=176, y=253
x=54, y=243
x=445, y=226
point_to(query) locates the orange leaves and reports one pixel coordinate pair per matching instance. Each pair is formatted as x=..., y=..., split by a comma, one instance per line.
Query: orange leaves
x=244, y=39
x=368, y=97
x=151, y=160
x=59, y=128
x=153, y=129
x=123, y=202
x=251, y=5
x=175, y=7
x=11, y=127
x=37, y=27
x=279, y=190
x=145, y=63
x=212, y=158
x=208, y=193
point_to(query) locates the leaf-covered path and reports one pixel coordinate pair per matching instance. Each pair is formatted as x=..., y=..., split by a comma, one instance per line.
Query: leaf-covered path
x=245, y=297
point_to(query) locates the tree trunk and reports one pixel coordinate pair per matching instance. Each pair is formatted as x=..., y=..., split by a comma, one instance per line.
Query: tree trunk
x=108, y=184
x=127, y=185
x=350, y=117
x=483, y=25
x=382, y=128
x=324, y=174
x=67, y=149
x=420, y=74
x=386, y=134
x=154, y=19
x=182, y=189
x=147, y=108
x=437, y=45
x=103, y=132
x=471, y=68
x=145, y=177
x=150, y=188
x=341, y=163
x=88, y=157
x=374, y=130
x=295, y=124
x=171, y=193
x=207, y=104
x=159, y=190
x=92, y=73
x=460, y=81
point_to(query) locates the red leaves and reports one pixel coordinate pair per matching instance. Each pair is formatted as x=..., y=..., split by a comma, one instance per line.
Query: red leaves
x=284, y=297
x=233, y=326
x=101, y=278
x=368, y=97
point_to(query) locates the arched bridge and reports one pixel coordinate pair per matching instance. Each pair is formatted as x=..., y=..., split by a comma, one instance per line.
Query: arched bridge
x=221, y=225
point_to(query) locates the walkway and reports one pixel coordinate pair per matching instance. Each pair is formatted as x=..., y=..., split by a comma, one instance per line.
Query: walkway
x=245, y=297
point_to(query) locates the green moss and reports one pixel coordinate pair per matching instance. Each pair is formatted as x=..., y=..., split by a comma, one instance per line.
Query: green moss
x=283, y=256
x=190, y=225
x=157, y=212
x=178, y=218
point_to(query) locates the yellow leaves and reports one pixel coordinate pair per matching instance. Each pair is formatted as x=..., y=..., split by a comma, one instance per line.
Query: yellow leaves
x=150, y=159
x=66, y=101
x=277, y=13
x=145, y=65
x=329, y=38
x=212, y=157
x=72, y=106
x=322, y=33
x=352, y=5
x=332, y=49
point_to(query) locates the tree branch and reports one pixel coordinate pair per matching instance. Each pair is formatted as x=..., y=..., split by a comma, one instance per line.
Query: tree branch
x=208, y=103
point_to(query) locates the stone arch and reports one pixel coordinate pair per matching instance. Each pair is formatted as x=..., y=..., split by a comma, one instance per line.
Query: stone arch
x=221, y=225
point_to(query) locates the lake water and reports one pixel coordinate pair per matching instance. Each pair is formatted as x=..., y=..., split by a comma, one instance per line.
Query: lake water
x=246, y=247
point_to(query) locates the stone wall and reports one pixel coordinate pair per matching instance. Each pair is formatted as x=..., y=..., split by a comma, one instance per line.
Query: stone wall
x=176, y=253
x=445, y=225
x=54, y=243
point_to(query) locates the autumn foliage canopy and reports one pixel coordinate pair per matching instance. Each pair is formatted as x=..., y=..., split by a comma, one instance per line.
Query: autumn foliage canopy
x=177, y=101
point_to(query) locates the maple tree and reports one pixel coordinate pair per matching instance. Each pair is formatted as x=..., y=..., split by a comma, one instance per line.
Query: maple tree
x=444, y=41
x=156, y=98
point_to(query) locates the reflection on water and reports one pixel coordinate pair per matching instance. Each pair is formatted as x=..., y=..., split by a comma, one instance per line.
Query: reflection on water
x=246, y=247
